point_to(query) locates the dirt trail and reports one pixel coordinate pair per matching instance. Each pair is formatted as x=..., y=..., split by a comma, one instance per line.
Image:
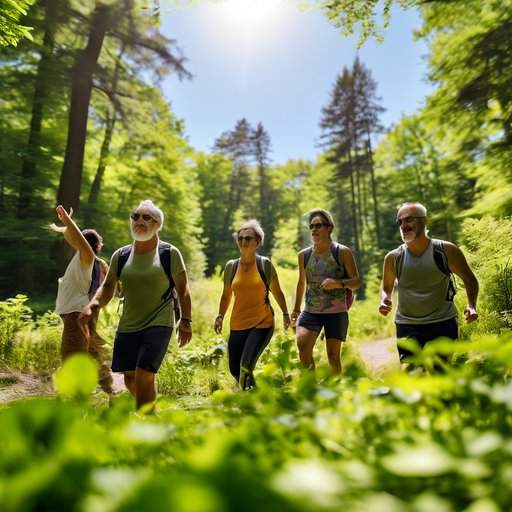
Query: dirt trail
x=379, y=356
x=15, y=385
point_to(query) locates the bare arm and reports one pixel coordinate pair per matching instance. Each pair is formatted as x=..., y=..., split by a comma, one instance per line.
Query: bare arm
x=301, y=287
x=275, y=288
x=458, y=265
x=388, y=283
x=105, y=292
x=183, y=290
x=73, y=236
x=225, y=299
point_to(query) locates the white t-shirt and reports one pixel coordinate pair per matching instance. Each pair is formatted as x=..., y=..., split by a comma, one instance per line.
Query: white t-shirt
x=74, y=286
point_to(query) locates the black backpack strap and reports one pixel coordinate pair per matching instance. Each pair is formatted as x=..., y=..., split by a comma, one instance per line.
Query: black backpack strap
x=336, y=254
x=441, y=262
x=234, y=268
x=95, y=278
x=122, y=257
x=399, y=261
x=440, y=258
x=164, y=253
x=264, y=266
x=307, y=256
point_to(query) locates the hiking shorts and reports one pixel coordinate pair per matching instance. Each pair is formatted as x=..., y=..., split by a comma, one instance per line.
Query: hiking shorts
x=335, y=325
x=144, y=349
x=423, y=333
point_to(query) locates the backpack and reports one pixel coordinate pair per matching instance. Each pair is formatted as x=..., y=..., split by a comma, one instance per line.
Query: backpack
x=164, y=252
x=335, y=251
x=95, y=278
x=264, y=266
x=440, y=260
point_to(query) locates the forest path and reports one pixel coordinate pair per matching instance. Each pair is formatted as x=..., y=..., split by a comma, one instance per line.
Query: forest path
x=378, y=356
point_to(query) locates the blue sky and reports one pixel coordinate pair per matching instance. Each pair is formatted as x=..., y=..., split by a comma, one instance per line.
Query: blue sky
x=272, y=62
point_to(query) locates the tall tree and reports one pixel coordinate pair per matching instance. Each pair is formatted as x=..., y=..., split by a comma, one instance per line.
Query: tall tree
x=262, y=147
x=119, y=20
x=237, y=146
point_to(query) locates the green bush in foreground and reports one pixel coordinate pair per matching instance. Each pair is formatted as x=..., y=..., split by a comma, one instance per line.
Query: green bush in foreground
x=300, y=442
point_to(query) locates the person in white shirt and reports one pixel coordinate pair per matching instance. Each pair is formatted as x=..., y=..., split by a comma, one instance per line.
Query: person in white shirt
x=82, y=277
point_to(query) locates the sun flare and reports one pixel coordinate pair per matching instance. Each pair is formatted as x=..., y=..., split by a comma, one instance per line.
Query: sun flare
x=249, y=16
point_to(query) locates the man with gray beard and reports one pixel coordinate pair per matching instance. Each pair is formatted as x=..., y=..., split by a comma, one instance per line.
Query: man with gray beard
x=422, y=268
x=153, y=278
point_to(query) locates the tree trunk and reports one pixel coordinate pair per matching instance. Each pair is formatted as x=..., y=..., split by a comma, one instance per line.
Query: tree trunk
x=71, y=175
x=374, y=192
x=32, y=151
x=105, y=146
x=354, y=205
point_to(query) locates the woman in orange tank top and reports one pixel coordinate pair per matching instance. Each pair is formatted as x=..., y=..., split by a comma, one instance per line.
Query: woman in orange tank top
x=249, y=278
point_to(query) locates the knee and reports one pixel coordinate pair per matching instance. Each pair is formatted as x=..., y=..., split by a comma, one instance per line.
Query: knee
x=304, y=345
x=144, y=378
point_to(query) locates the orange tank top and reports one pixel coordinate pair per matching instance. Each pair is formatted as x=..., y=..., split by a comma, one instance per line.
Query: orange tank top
x=249, y=309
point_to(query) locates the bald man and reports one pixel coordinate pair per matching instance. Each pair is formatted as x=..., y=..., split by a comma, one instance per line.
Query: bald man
x=421, y=268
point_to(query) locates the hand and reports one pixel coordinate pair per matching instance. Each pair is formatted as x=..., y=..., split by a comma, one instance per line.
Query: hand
x=470, y=314
x=184, y=333
x=329, y=284
x=84, y=318
x=63, y=215
x=286, y=321
x=217, y=325
x=294, y=316
x=385, y=306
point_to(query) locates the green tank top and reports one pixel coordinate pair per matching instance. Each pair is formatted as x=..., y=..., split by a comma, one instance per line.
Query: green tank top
x=144, y=282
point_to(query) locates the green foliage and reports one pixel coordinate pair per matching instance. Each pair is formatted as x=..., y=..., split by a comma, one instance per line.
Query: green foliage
x=489, y=246
x=77, y=378
x=299, y=442
x=14, y=314
x=11, y=30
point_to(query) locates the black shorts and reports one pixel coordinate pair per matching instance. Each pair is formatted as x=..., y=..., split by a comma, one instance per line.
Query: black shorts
x=423, y=333
x=335, y=325
x=142, y=349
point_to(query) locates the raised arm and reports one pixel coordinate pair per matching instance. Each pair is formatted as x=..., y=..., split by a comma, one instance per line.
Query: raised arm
x=73, y=235
x=183, y=290
x=225, y=299
x=458, y=265
x=388, y=283
x=301, y=287
x=275, y=288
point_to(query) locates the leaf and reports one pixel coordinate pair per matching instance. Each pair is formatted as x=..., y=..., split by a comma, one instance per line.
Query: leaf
x=77, y=378
x=421, y=461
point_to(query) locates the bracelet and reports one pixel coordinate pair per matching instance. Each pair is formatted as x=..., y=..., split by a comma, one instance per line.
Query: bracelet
x=286, y=314
x=186, y=320
x=219, y=316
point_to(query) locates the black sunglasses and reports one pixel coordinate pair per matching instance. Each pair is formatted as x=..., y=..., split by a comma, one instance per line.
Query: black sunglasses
x=135, y=216
x=318, y=225
x=407, y=220
x=246, y=238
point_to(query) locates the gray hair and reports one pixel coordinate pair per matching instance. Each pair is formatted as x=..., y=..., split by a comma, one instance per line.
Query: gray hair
x=155, y=212
x=256, y=228
x=422, y=210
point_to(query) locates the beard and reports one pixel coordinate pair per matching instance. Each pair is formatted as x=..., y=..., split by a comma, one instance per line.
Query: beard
x=141, y=236
x=411, y=235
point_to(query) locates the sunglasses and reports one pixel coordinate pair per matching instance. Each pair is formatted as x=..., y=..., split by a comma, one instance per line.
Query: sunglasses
x=407, y=220
x=136, y=216
x=246, y=238
x=318, y=225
